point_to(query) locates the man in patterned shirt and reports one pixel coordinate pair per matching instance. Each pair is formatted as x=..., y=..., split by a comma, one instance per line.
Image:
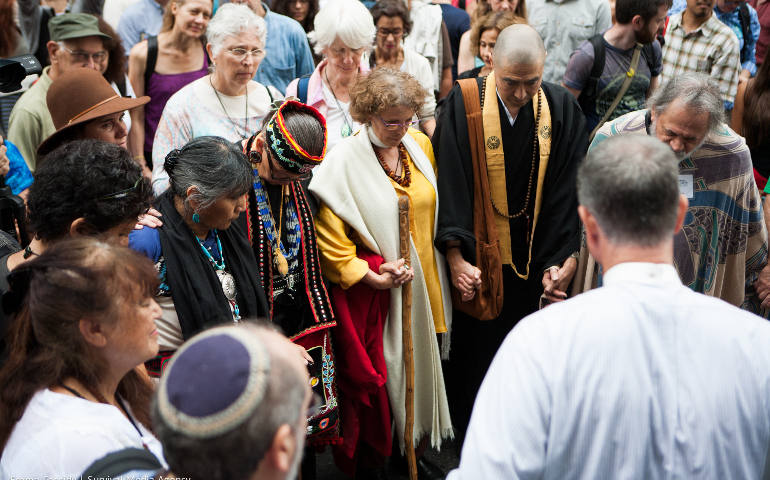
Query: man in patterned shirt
x=696, y=41
x=722, y=246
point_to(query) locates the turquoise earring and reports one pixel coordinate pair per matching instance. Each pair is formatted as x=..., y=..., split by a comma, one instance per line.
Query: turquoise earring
x=196, y=218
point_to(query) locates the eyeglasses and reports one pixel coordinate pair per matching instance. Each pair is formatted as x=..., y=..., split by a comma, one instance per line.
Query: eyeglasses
x=384, y=32
x=240, y=53
x=85, y=57
x=345, y=51
x=393, y=126
x=123, y=193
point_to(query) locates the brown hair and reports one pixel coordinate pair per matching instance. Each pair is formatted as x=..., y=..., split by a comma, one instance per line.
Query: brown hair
x=10, y=33
x=383, y=88
x=116, y=66
x=483, y=7
x=756, y=110
x=168, y=16
x=282, y=7
x=492, y=21
x=392, y=8
x=73, y=279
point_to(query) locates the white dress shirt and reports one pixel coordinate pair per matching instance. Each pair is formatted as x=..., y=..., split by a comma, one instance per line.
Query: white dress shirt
x=641, y=378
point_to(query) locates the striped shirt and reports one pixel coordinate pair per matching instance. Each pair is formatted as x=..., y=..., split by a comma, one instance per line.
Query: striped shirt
x=711, y=49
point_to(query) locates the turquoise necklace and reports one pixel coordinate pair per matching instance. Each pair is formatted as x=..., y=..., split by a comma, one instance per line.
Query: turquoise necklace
x=225, y=277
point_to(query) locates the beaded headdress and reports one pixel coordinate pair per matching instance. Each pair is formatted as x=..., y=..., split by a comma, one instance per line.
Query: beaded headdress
x=284, y=146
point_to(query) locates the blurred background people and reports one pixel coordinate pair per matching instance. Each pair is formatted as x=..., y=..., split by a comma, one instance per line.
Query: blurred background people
x=483, y=36
x=467, y=58
x=159, y=66
x=343, y=31
x=226, y=103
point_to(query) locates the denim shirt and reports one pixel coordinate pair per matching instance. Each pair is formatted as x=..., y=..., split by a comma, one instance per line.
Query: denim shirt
x=288, y=54
x=747, y=45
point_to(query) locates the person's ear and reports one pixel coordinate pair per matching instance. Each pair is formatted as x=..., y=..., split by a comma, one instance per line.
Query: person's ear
x=682, y=211
x=190, y=193
x=210, y=51
x=80, y=227
x=92, y=332
x=282, y=450
x=591, y=226
x=637, y=22
x=53, y=48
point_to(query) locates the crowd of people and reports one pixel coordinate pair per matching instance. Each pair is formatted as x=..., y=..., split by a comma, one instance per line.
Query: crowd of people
x=260, y=230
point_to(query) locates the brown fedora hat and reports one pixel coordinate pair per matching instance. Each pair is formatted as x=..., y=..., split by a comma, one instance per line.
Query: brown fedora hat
x=78, y=96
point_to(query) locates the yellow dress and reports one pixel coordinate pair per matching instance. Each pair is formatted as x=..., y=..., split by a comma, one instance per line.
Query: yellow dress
x=337, y=241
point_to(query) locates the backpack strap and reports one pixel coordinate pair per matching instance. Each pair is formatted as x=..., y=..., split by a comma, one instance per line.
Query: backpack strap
x=123, y=461
x=302, y=85
x=152, y=59
x=745, y=19
x=588, y=94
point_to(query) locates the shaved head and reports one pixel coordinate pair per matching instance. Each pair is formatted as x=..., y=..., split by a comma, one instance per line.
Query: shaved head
x=519, y=44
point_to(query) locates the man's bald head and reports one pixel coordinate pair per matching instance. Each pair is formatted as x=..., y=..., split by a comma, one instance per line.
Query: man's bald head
x=519, y=44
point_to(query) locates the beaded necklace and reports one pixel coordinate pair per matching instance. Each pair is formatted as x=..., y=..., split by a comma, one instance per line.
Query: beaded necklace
x=225, y=278
x=406, y=175
x=282, y=255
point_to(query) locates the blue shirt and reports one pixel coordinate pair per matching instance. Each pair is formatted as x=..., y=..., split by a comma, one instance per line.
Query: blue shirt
x=748, y=46
x=140, y=20
x=457, y=22
x=288, y=54
x=19, y=178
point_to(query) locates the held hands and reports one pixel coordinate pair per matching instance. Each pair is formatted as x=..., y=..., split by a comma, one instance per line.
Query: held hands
x=762, y=286
x=556, y=280
x=392, y=275
x=465, y=277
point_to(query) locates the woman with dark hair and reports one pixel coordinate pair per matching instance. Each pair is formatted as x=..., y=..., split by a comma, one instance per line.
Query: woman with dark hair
x=484, y=32
x=391, y=17
x=466, y=58
x=83, y=188
x=74, y=388
x=207, y=268
x=283, y=154
x=358, y=237
x=751, y=118
x=302, y=11
x=160, y=66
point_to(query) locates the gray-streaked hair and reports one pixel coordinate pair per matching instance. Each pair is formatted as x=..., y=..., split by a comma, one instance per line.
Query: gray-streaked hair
x=630, y=184
x=697, y=91
x=230, y=20
x=347, y=19
x=238, y=453
x=216, y=167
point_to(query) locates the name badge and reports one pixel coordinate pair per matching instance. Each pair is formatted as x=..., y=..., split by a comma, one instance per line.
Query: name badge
x=685, y=185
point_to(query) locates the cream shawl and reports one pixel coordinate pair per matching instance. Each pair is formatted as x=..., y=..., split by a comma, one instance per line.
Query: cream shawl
x=354, y=186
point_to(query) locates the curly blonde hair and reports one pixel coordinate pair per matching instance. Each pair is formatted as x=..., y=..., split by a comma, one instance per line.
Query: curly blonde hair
x=492, y=21
x=381, y=89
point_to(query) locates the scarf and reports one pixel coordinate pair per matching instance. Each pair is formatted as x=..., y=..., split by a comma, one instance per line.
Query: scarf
x=493, y=145
x=195, y=288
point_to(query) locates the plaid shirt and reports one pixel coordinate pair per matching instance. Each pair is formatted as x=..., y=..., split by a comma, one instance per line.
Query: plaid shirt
x=711, y=49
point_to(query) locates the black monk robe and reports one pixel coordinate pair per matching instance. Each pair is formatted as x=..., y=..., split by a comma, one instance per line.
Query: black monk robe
x=557, y=233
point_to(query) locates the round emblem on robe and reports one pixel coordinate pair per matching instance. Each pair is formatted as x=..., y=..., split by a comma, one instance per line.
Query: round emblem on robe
x=493, y=142
x=545, y=132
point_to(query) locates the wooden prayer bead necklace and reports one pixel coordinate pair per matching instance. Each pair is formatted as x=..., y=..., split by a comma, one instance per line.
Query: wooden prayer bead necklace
x=535, y=151
x=406, y=176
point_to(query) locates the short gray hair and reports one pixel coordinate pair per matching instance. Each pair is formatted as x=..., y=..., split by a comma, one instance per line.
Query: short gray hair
x=230, y=20
x=238, y=453
x=630, y=184
x=211, y=164
x=696, y=90
x=347, y=19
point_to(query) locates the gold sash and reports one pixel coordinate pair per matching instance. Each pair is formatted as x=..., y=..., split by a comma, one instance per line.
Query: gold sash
x=493, y=145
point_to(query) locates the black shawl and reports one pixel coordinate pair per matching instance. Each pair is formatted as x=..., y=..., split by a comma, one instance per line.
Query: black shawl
x=195, y=288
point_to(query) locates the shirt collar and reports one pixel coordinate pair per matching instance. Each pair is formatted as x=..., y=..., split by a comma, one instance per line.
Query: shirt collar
x=511, y=118
x=708, y=27
x=659, y=274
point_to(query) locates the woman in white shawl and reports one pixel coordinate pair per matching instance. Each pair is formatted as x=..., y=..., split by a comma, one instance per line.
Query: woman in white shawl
x=358, y=188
